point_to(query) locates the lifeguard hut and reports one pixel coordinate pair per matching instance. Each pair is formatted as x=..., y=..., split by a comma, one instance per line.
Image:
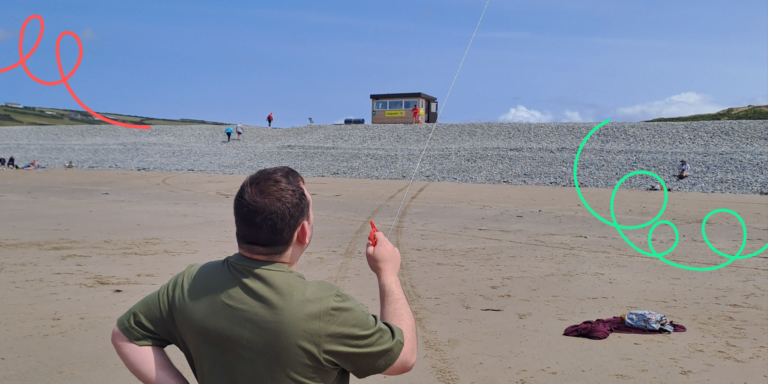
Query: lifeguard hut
x=395, y=108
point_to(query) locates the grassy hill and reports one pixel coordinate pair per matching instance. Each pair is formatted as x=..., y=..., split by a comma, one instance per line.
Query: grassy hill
x=11, y=116
x=749, y=112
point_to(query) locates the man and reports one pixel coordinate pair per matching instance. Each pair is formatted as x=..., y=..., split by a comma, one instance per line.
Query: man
x=11, y=163
x=269, y=120
x=250, y=318
x=683, y=169
x=415, y=111
x=239, y=131
x=2, y=162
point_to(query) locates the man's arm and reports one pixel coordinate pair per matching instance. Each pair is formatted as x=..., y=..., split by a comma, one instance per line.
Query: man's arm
x=384, y=261
x=150, y=364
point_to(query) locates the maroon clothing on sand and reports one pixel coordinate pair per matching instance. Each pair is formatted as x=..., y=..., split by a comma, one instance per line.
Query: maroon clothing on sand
x=600, y=329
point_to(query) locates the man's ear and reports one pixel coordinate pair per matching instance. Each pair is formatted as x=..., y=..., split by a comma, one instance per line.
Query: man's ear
x=303, y=233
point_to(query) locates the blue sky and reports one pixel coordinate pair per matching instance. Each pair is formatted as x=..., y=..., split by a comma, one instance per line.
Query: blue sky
x=536, y=60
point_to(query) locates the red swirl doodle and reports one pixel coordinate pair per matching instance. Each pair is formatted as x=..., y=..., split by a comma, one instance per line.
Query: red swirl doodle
x=64, y=79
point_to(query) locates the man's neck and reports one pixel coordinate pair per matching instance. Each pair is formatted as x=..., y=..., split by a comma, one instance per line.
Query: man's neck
x=282, y=259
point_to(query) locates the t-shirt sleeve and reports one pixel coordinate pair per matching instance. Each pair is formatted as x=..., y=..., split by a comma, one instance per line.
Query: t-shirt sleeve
x=358, y=341
x=150, y=321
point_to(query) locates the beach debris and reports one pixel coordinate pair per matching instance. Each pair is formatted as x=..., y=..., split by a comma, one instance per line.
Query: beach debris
x=492, y=309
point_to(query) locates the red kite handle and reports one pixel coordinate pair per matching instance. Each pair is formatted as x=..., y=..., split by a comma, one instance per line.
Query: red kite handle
x=372, y=236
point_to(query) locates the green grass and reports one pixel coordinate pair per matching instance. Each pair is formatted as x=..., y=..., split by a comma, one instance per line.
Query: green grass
x=751, y=112
x=10, y=116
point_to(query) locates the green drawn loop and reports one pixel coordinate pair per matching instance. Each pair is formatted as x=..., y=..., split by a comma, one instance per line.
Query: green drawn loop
x=620, y=228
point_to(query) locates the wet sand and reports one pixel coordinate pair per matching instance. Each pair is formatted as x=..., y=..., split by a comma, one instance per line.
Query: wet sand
x=78, y=248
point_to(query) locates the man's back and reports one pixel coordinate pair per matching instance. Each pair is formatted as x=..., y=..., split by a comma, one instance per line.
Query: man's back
x=241, y=320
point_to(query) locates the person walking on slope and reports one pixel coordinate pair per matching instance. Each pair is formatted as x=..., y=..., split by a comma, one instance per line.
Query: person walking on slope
x=228, y=131
x=269, y=120
x=252, y=318
x=240, y=131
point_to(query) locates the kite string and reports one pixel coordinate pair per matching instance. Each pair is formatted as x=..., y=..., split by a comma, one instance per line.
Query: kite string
x=436, y=120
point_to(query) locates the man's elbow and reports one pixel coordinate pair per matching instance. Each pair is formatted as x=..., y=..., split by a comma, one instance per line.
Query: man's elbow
x=117, y=337
x=403, y=365
x=409, y=364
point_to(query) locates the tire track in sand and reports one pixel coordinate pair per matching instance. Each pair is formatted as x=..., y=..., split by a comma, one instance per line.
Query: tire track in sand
x=435, y=350
x=349, y=253
x=173, y=187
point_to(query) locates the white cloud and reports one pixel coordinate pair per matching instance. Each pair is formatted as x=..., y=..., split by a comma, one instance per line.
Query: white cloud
x=522, y=114
x=5, y=34
x=684, y=104
x=87, y=34
x=572, y=117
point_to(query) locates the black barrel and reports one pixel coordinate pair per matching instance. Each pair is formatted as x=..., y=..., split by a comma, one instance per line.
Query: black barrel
x=354, y=121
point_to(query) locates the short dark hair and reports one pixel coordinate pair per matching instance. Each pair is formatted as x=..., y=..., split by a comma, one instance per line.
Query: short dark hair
x=269, y=207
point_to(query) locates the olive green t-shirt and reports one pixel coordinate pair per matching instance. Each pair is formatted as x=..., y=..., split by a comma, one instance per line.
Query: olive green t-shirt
x=241, y=320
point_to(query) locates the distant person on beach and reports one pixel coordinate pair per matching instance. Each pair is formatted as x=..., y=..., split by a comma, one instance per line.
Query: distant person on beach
x=11, y=163
x=415, y=111
x=684, y=168
x=269, y=120
x=657, y=187
x=33, y=165
x=239, y=131
x=251, y=317
x=228, y=131
x=2, y=162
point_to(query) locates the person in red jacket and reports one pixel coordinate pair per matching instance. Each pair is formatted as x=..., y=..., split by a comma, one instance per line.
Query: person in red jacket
x=269, y=119
x=415, y=111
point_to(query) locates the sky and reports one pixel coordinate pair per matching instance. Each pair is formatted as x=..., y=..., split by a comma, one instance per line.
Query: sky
x=531, y=60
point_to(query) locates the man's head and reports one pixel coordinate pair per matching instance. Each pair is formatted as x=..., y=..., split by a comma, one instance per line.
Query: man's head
x=682, y=162
x=273, y=214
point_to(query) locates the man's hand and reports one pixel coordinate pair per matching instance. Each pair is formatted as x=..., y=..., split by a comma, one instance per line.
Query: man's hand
x=384, y=258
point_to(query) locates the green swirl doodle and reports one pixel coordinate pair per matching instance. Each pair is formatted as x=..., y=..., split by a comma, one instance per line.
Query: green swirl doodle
x=655, y=224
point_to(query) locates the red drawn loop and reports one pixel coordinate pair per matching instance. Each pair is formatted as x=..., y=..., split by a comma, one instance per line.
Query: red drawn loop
x=64, y=78
x=372, y=235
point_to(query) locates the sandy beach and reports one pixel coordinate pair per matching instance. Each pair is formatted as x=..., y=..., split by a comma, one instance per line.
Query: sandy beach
x=494, y=273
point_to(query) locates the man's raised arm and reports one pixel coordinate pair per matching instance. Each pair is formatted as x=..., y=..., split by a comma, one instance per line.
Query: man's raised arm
x=384, y=261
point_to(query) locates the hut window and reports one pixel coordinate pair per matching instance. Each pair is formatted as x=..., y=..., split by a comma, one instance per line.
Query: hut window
x=379, y=105
x=409, y=104
x=395, y=104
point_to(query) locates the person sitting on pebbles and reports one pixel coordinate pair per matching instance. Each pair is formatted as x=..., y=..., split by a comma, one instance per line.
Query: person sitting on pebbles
x=683, y=170
x=2, y=162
